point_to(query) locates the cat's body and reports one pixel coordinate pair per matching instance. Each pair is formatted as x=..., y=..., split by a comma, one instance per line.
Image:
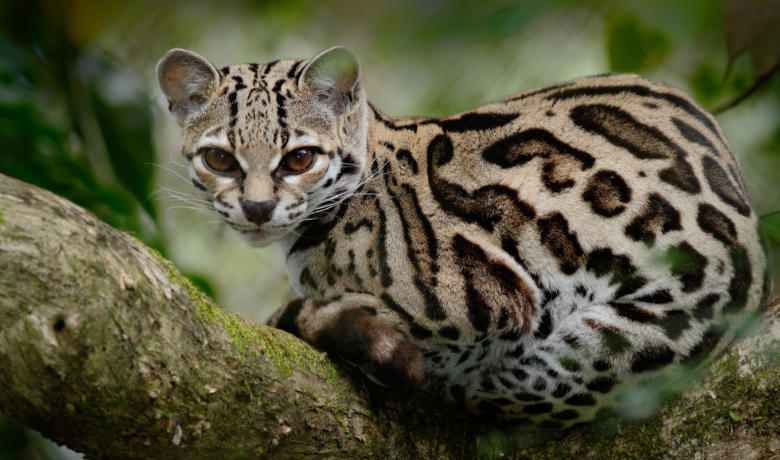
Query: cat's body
x=527, y=258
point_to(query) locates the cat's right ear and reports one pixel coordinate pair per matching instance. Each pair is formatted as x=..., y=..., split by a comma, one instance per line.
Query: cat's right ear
x=187, y=80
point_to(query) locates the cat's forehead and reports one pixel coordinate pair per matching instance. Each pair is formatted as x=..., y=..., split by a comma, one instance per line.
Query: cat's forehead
x=261, y=103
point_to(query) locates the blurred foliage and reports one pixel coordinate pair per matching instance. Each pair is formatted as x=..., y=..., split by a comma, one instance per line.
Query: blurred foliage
x=68, y=127
x=80, y=115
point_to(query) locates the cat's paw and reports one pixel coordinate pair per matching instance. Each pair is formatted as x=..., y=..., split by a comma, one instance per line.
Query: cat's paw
x=382, y=352
x=356, y=334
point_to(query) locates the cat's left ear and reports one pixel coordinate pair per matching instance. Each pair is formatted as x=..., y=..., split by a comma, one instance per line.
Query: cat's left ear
x=333, y=76
x=188, y=80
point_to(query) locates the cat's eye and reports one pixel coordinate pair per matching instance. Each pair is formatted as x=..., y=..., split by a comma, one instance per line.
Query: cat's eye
x=219, y=160
x=299, y=160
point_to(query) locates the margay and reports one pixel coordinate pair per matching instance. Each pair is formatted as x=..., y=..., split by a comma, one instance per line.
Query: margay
x=528, y=258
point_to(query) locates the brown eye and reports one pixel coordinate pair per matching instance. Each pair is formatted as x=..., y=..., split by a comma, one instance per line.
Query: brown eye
x=299, y=160
x=219, y=160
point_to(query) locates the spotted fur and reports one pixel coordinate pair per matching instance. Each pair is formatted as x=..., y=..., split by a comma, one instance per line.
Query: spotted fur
x=533, y=258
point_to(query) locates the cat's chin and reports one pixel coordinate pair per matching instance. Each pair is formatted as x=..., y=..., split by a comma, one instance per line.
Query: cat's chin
x=259, y=239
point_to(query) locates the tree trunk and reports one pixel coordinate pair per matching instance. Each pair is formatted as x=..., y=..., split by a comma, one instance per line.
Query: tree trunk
x=106, y=348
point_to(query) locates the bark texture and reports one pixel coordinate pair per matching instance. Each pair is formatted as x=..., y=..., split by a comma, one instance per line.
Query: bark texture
x=106, y=348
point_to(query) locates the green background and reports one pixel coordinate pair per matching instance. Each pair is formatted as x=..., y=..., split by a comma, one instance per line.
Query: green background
x=80, y=113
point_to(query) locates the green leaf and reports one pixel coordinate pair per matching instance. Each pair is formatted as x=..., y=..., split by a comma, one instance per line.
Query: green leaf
x=735, y=416
x=631, y=47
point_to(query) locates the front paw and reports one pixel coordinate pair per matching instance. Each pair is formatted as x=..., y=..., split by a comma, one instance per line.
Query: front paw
x=361, y=338
x=357, y=334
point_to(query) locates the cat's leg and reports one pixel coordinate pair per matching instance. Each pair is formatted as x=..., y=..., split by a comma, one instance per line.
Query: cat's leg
x=358, y=328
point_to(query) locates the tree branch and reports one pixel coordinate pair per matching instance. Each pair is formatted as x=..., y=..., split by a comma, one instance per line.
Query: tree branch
x=106, y=348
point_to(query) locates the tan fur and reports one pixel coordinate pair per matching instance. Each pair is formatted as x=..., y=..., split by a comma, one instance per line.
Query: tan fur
x=500, y=242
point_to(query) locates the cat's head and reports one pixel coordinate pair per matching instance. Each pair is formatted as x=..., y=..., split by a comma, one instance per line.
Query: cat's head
x=274, y=145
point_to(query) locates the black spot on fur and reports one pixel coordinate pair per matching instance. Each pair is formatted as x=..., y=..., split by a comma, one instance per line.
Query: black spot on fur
x=553, y=179
x=692, y=134
x=405, y=157
x=674, y=323
x=704, y=306
x=688, y=265
x=603, y=261
x=306, y=279
x=601, y=384
x=545, y=326
x=487, y=384
x=607, y=193
x=651, y=358
x=419, y=332
x=644, y=91
x=632, y=312
x=421, y=246
x=723, y=186
x=315, y=233
x=561, y=390
x=581, y=399
x=570, y=364
x=717, y=224
x=239, y=82
x=571, y=341
x=555, y=236
x=657, y=215
x=601, y=365
x=491, y=286
x=540, y=383
x=704, y=347
x=741, y=280
x=642, y=141
x=520, y=374
x=493, y=207
x=522, y=147
x=611, y=339
x=449, y=332
x=539, y=408
x=528, y=397
x=352, y=227
x=477, y=122
x=567, y=414
x=658, y=297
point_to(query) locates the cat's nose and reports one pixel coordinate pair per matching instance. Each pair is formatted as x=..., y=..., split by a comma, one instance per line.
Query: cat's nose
x=258, y=212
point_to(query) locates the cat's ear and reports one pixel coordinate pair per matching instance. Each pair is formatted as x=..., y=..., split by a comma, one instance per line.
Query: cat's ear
x=187, y=80
x=332, y=76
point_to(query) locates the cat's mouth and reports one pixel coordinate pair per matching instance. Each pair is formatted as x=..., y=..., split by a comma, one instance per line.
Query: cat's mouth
x=260, y=238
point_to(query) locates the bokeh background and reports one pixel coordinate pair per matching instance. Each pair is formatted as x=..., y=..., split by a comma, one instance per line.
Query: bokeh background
x=80, y=113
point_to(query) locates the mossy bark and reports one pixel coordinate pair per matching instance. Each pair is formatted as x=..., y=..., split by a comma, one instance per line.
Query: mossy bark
x=106, y=348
